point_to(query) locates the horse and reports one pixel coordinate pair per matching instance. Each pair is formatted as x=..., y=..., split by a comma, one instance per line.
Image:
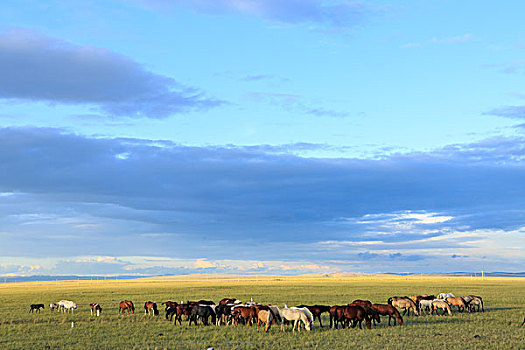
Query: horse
x=35, y=307
x=247, y=313
x=474, y=300
x=459, y=302
x=53, y=306
x=317, y=310
x=67, y=305
x=404, y=303
x=96, y=308
x=367, y=306
x=296, y=315
x=337, y=316
x=425, y=305
x=203, y=312
x=441, y=304
x=264, y=316
x=169, y=304
x=126, y=305
x=444, y=296
x=225, y=301
x=178, y=311
x=390, y=311
x=418, y=297
x=151, y=305
x=356, y=314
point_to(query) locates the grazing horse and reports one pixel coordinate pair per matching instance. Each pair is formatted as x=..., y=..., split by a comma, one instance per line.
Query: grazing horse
x=95, y=308
x=404, y=303
x=296, y=315
x=390, y=311
x=441, y=304
x=317, y=310
x=151, y=305
x=53, y=306
x=337, y=316
x=356, y=314
x=418, y=297
x=224, y=313
x=367, y=306
x=459, y=302
x=178, y=311
x=203, y=312
x=246, y=313
x=265, y=317
x=425, y=305
x=474, y=300
x=35, y=307
x=126, y=305
x=67, y=305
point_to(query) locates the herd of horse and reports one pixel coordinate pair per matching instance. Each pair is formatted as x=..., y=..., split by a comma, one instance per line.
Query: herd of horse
x=232, y=311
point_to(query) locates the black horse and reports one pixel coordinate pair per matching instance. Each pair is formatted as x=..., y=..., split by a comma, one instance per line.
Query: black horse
x=203, y=312
x=36, y=307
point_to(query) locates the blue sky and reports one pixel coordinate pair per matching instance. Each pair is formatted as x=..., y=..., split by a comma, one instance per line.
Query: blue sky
x=164, y=136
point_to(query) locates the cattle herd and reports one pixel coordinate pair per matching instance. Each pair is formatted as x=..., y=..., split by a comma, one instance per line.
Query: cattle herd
x=231, y=311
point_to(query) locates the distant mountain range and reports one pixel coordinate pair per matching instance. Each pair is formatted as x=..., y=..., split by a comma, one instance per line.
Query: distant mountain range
x=47, y=278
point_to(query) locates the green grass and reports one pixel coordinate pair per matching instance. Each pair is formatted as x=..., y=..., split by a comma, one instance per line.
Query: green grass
x=497, y=328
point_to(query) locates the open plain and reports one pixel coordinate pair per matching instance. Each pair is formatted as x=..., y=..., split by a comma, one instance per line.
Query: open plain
x=497, y=327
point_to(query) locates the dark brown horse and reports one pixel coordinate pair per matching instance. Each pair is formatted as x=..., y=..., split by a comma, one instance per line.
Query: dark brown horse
x=356, y=314
x=169, y=304
x=126, y=305
x=367, y=305
x=388, y=310
x=178, y=311
x=151, y=306
x=317, y=310
x=337, y=316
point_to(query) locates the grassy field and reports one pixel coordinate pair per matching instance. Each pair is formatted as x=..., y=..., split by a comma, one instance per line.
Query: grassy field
x=497, y=328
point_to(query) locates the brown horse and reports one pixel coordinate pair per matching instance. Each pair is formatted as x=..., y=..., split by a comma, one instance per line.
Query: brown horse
x=317, y=310
x=404, y=303
x=126, y=305
x=169, y=304
x=356, y=314
x=178, y=311
x=247, y=313
x=151, y=306
x=459, y=302
x=225, y=301
x=390, y=311
x=337, y=316
x=367, y=305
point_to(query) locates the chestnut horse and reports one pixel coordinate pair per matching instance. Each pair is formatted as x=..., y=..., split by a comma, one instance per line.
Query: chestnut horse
x=317, y=310
x=178, y=311
x=390, y=311
x=151, y=305
x=337, y=316
x=247, y=313
x=126, y=305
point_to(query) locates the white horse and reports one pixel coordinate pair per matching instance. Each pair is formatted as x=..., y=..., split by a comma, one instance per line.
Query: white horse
x=67, y=305
x=444, y=296
x=425, y=305
x=296, y=315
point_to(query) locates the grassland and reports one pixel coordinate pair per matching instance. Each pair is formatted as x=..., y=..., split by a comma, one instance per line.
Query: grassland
x=497, y=328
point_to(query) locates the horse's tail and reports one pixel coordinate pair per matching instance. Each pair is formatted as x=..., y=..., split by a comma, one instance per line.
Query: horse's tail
x=367, y=321
x=481, y=300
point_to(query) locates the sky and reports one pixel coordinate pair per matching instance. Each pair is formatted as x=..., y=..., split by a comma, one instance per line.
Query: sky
x=144, y=137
